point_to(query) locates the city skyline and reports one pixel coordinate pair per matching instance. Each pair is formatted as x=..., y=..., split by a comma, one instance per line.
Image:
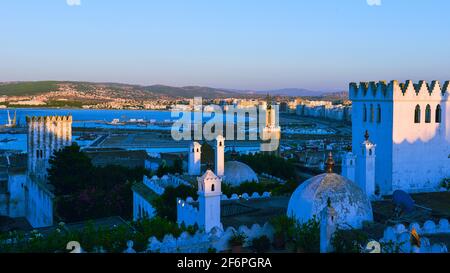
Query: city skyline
x=253, y=45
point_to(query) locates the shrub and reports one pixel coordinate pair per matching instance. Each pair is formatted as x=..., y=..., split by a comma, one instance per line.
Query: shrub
x=112, y=240
x=238, y=238
x=270, y=164
x=166, y=204
x=349, y=241
x=446, y=183
x=283, y=227
x=261, y=244
x=391, y=247
x=306, y=236
x=212, y=250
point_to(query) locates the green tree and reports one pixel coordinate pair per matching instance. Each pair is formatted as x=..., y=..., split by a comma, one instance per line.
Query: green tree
x=349, y=241
x=163, y=169
x=177, y=166
x=70, y=170
x=84, y=191
x=271, y=164
x=166, y=204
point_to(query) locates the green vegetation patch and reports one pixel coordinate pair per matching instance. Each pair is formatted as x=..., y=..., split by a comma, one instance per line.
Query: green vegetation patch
x=28, y=88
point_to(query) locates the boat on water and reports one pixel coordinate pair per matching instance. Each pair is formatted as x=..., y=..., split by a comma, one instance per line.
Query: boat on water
x=115, y=122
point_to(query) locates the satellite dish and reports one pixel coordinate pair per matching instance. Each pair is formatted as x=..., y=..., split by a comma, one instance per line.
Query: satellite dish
x=403, y=201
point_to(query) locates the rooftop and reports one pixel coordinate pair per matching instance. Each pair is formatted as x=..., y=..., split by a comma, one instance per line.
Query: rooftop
x=126, y=158
x=144, y=191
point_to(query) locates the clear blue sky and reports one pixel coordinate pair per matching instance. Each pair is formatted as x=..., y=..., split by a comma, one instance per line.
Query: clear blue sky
x=242, y=44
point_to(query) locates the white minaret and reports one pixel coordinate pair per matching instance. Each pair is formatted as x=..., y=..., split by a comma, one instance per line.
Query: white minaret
x=328, y=226
x=210, y=193
x=220, y=156
x=271, y=133
x=348, y=166
x=365, y=165
x=194, y=164
x=45, y=136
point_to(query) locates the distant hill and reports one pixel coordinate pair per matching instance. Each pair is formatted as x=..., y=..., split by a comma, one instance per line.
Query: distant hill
x=190, y=91
x=335, y=96
x=139, y=92
x=27, y=88
x=293, y=92
x=116, y=90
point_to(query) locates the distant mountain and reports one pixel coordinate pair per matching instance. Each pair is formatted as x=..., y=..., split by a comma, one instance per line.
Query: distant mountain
x=293, y=92
x=190, y=91
x=335, y=96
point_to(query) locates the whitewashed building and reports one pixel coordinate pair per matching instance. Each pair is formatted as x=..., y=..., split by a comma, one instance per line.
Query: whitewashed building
x=410, y=126
x=28, y=194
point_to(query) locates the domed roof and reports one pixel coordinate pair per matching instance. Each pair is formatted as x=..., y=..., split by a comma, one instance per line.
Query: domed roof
x=237, y=172
x=350, y=202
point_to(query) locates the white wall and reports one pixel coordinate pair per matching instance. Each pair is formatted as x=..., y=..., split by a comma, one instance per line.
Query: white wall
x=38, y=205
x=412, y=157
x=142, y=208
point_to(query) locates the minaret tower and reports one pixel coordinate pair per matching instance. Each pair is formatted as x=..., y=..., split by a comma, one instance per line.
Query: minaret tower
x=271, y=133
x=365, y=166
x=45, y=136
x=328, y=226
x=210, y=193
x=195, y=152
x=220, y=156
x=348, y=166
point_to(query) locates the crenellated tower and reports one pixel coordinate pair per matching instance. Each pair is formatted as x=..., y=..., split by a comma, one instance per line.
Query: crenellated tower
x=410, y=123
x=45, y=136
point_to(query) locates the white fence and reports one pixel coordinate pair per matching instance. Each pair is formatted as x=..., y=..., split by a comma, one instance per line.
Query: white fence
x=158, y=185
x=400, y=236
x=266, y=175
x=200, y=242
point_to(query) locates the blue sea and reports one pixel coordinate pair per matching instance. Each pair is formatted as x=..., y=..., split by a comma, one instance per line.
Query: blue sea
x=95, y=118
x=86, y=118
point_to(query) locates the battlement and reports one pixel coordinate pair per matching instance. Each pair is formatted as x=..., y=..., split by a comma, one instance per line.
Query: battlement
x=186, y=212
x=395, y=90
x=31, y=119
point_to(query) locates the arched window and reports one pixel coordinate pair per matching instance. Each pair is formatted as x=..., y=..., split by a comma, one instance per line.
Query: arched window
x=438, y=114
x=428, y=114
x=372, y=113
x=213, y=188
x=364, y=113
x=370, y=151
x=378, y=113
x=417, y=114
